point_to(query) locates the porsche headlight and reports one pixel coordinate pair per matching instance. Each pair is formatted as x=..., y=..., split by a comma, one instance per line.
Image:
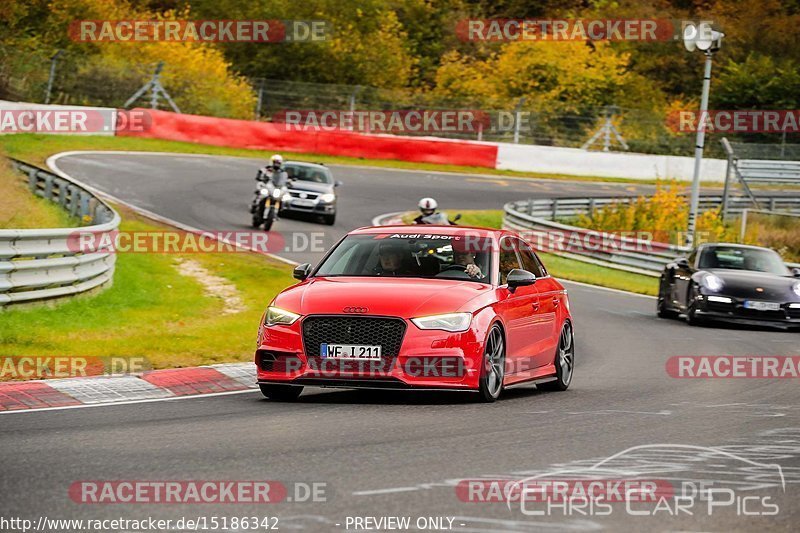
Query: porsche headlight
x=276, y=315
x=712, y=282
x=327, y=198
x=453, y=322
x=796, y=288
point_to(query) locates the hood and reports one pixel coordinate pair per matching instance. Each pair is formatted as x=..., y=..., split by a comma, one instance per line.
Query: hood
x=311, y=186
x=407, y=298
x=745, y=284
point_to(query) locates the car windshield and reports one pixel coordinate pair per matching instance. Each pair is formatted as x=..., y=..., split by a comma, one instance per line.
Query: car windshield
x=739, y=258
x=308, y=173
x=409, y=256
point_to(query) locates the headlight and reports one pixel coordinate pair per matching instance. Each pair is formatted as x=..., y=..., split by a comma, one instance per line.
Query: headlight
x=450, y=322
x=276, y=193
x=796, y=288
x=276, y=315
x=327, y=198
x=712, y=282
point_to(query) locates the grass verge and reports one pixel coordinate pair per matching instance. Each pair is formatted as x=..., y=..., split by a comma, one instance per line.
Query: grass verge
x=153, y=311
x=562, y=267
x=22, y=210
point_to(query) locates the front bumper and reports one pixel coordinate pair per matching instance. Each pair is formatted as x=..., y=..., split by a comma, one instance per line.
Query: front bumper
x=427, y=359
x=734, y=311
x=299, y=205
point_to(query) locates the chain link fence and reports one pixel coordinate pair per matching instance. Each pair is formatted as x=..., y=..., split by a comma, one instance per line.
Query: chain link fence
x=25, y=75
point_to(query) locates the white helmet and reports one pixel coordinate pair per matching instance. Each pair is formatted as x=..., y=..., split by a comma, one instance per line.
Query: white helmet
x=428, y=204
x=277, y=160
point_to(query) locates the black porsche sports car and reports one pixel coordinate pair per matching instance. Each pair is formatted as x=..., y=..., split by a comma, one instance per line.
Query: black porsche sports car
x=732, y=282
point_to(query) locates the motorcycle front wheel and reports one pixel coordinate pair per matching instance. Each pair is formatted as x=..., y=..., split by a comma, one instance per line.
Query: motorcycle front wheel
x=270, y=218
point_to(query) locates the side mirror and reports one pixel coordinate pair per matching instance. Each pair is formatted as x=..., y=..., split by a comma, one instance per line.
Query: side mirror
x=519, y=278
x=682, y=262
x=796, y=272
x=337, y=183
x=457, y=217
x=301, y=272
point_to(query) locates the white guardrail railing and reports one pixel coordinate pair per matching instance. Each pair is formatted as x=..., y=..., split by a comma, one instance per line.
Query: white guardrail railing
x=535, y=219
x=45, y=264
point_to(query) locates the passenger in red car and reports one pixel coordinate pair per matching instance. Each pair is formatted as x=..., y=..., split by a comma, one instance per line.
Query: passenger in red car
x=393, y=259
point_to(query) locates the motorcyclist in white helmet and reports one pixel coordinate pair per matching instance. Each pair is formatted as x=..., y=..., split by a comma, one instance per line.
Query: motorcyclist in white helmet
x=427, y=207
x=272, y=170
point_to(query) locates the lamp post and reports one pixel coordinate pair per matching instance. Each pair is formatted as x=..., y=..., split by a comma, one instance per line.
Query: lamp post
x=708, y=41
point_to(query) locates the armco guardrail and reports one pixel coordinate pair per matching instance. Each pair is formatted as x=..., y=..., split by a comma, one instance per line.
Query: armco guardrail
x=558, y=207
x=40, y=264
x=535, y=218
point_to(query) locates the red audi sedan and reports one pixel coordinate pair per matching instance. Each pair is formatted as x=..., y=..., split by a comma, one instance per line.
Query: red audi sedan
x=419, y=307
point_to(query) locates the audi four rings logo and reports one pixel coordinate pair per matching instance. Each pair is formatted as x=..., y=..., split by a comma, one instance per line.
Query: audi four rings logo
x=355, y=309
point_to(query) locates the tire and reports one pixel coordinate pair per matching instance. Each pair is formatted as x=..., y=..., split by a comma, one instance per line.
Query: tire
x=330, y=220
x=661, y=304
x=269, y=219
x=564, y=361
x=256, y=222
x=691, y=309
x=281, y=393
x=493, y=367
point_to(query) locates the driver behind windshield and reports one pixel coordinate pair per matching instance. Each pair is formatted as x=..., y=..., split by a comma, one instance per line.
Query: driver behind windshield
x=467, y=260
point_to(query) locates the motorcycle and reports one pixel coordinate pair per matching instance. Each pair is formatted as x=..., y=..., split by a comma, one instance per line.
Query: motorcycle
x=439, y=219
x=267, y=201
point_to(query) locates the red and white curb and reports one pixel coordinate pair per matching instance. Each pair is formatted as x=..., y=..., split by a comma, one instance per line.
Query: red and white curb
x=150, y=386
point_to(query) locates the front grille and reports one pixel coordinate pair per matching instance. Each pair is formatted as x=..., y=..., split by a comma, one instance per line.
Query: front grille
x=308, y=195
x=372, y=331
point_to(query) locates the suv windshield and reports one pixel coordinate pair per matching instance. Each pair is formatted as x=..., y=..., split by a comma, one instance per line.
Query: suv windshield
x=308, y=173
x=409, y=256
x=738, y=258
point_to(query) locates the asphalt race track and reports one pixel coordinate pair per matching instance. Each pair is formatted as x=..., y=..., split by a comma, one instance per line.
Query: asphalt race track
x=401, y=454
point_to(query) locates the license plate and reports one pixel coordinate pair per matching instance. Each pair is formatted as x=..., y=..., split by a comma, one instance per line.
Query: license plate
x=357, y=352
x=762, y=306
x=302, y=202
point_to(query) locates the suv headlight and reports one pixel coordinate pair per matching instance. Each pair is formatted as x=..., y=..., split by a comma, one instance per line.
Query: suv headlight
x=276, y=315
x=453, y=322
x=327, y=198
x=711, y=282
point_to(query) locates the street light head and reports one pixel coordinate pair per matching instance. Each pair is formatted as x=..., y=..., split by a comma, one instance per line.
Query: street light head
x=689, y=36
x=702, y=37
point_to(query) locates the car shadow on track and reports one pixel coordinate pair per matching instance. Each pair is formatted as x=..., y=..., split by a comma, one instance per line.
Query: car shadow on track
x=403, y=397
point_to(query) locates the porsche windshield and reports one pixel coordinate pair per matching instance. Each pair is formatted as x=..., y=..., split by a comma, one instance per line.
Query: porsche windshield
x=397, y=255
x=740, y=258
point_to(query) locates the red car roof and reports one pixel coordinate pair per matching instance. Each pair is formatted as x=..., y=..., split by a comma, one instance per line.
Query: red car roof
x=442, y=230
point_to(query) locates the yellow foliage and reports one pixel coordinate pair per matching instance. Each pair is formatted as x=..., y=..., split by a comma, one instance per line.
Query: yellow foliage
x=196, y=75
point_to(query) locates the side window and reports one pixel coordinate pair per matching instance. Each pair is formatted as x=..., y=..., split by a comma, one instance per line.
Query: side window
x=529, y=260
x=508, y=259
